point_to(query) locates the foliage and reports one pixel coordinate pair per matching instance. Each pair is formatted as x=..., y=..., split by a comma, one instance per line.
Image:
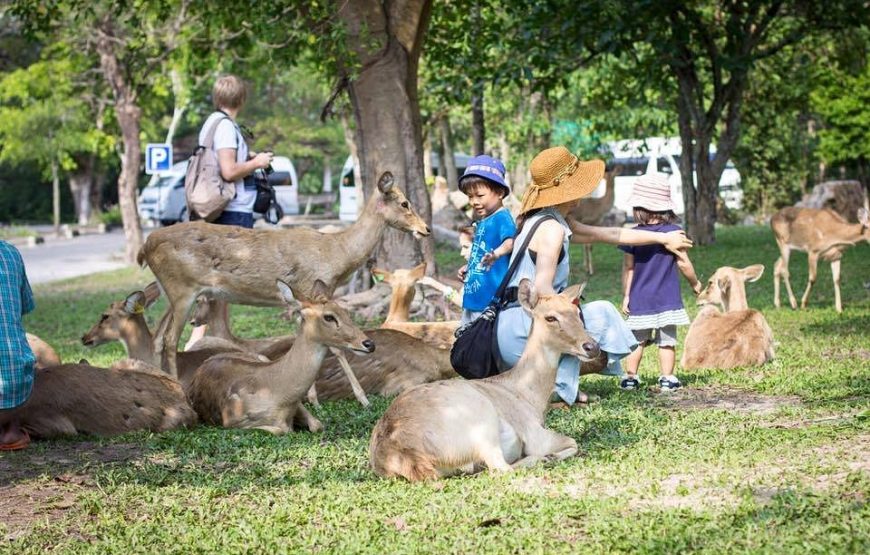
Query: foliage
x=111, y=216
x=780, y=448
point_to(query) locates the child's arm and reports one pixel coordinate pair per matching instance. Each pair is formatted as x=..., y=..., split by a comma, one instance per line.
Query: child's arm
x=505, y=248
x=688, y=271
x=627, y=277
x=449, y=293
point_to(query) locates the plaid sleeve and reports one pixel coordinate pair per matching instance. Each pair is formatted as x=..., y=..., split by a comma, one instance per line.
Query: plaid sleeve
x=27, y=304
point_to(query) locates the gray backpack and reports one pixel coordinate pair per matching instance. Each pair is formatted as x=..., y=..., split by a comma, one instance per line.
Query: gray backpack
x=206, y=191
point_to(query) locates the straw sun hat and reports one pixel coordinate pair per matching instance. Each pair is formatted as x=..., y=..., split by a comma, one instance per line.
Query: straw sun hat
x=558, y=176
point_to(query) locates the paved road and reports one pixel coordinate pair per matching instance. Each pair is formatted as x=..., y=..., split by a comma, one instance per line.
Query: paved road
x=65, y=258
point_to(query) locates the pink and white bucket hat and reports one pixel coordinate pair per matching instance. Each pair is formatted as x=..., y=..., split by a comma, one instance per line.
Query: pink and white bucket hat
x=653, y=192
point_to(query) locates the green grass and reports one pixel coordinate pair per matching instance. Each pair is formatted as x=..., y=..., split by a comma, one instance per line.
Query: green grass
x=782, y=466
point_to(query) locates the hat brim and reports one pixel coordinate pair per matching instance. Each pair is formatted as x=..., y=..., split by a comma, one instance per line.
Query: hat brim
x=488, y=176
x=652, y=206
x=583, y=181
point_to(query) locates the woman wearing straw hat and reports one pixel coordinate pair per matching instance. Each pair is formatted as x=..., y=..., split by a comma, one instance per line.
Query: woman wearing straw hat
x=559, y=181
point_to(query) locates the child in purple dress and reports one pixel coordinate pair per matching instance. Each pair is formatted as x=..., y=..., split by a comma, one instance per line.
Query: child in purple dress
x=651, y=285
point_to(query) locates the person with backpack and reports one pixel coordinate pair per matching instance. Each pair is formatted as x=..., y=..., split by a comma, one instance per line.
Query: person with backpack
x=235, y=161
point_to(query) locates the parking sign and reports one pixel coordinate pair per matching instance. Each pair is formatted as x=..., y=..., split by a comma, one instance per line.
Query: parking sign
x=158, y=158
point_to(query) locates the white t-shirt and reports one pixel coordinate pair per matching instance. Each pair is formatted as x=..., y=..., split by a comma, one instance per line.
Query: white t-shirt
x=228, y=135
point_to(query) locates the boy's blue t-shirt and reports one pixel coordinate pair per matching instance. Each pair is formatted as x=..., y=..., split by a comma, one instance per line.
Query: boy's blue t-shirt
x=480, y=283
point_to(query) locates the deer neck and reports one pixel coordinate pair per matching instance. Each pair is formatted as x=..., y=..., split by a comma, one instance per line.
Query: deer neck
x=291, y=376
x=137, y=339
x=609, y=191
x=400, y=308
x=736, y=299
x=360, y=239
x=217, y=326
x=535, y=373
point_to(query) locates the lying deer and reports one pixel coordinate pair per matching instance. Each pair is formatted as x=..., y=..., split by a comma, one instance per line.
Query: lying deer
x=124, y=321
x=436, y=429
x=242, y=265
x=81, y=399
x=402, y=281
x=822, y=233
x=45, y=355
x=739, y=336
x=239, y=392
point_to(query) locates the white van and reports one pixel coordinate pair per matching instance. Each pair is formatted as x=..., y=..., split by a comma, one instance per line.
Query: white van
x=663, y=155
x=348, y=197
x=163, y=201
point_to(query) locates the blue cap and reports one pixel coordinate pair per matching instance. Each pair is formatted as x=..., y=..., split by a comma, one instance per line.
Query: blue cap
x=486, y=167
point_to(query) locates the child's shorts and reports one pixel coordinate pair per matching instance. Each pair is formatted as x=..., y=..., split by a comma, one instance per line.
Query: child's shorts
x=665, y=336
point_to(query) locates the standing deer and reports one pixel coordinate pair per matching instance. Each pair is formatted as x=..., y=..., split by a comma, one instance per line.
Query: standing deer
x=242, y=265
x=81, y=399
x=124, y=321
x=738, y=337
x=239, y=392
x=436, y=429
x=402, y=281
x=45, y=355
x=822, y=233
x=591, y=211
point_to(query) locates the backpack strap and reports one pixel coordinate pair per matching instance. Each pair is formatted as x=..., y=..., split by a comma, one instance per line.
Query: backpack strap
x=209, y=136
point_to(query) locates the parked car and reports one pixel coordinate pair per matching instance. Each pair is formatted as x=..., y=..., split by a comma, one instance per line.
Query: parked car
x=348, y=198
x=663, y=155
x=163, y=201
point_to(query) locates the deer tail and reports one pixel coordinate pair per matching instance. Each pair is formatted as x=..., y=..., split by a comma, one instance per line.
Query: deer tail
x=391, y=459
x=140, y=258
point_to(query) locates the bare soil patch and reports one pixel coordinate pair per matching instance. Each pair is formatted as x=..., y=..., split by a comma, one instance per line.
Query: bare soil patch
x=725, y=398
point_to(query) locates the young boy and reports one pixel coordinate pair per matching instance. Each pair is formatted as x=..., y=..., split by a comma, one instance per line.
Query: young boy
x=483, y=182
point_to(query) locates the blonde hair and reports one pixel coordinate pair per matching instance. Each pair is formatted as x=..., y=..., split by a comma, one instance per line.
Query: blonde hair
x=229, y=92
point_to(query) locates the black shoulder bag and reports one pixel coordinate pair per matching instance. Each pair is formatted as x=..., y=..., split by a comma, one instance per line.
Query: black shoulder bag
x=475, y=352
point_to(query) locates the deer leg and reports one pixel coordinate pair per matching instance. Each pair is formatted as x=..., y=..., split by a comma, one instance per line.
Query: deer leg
x=587, y=255
x=312, y=395
x=835, y=274
x=358, y=391
x=813, y=262
x=180, y=308
x=304, y=419
x=782, y=268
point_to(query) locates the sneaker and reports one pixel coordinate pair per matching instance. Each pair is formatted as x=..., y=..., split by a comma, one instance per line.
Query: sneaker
x=629, y=383
x=669, y=383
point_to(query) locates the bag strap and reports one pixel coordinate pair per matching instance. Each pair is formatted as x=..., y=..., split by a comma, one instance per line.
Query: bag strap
x=499, y=293
x=209, y=137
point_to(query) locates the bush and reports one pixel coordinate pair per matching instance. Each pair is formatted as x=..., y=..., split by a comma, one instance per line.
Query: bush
x=111, y=216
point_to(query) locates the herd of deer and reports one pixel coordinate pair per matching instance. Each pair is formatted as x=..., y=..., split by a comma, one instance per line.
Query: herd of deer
x=437, y=425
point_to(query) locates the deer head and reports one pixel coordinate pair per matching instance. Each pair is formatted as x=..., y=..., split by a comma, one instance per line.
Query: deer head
x=726, y=288
x=120, y=314
x=323, y=321
x=396, y=210
x=562, y=317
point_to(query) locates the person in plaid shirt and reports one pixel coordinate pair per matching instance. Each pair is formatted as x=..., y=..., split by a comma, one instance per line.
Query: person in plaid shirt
x=16, y=358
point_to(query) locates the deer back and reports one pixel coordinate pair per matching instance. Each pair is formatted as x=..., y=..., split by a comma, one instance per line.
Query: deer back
x=817, y=230
x=78, y=398
x=727, y=340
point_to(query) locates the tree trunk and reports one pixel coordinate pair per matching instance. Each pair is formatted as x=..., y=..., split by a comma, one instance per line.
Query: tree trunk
x=448, y=162
x=387, y=37
x=81, y=183
x=427, y=159
x=478, y=124
x=129, y=115
x=55, y=196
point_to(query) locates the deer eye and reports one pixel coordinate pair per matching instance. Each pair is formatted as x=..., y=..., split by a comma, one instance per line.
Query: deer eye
x=330, y=318
x=405, y=204
x=550, y=318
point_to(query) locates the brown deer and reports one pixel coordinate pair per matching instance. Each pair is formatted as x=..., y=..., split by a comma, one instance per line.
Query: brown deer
x=124, y=321
x=436, y=429
x=822, y=233
x=591, y=211
x=242, y=265
x=72, y=399
x=238, y=392
x=45, y=355
x=402, y=281
x=739, y=336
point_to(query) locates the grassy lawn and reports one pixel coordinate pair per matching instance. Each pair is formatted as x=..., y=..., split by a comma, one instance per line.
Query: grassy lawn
x=772, y=459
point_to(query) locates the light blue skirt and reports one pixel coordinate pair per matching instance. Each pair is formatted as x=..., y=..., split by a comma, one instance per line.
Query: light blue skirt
x=603, y=323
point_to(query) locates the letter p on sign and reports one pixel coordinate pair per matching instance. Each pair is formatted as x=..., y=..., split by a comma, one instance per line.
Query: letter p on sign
x=158, y=158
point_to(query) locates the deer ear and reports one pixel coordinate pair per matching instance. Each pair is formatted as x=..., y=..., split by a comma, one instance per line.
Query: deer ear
x=321, y=292
x=135, y=303
x=418, y=271
x=752, y=273
x=152, y=293
x=527, y=295
x=385, y=183
x=286, y=292
x=381, y=275
x=574, y=292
